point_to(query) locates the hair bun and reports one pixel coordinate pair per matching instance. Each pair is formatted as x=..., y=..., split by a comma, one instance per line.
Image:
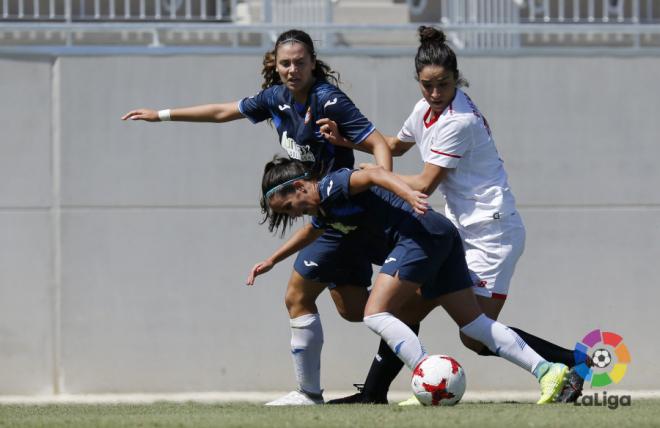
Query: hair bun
x=279, y=160
x=429, y=35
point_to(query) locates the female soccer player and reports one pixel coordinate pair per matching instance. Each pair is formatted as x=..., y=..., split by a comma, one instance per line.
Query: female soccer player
x=421, y=250
x=460, y=159
x=298, y=90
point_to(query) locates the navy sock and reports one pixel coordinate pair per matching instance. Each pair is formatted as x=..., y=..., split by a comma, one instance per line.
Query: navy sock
x=551, y=352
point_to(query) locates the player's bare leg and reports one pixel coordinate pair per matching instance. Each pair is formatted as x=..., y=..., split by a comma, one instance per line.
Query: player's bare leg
x=350, y=301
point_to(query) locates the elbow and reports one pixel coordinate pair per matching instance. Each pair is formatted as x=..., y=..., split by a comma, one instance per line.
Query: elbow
x=423, y=186
x=377, y=173
x=382, y=147
x=392, y=146
x=224, y=112
x=220, y=117
x=395, y=148
x=427, y=190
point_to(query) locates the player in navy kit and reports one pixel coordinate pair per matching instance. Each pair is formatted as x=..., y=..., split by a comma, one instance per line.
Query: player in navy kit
x=299, y=90
x=416, y=247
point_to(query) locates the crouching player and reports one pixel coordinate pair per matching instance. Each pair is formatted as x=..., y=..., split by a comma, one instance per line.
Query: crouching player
x=421, y=250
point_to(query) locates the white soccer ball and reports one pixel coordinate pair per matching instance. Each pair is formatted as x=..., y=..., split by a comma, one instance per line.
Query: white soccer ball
x=602, y=358
x=438, y=381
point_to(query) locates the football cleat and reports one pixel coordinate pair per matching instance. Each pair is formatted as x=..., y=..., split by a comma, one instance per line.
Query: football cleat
x=552, y=383
x=572, y=389
x=297, y=398
x=359, y=398
x=412, y=401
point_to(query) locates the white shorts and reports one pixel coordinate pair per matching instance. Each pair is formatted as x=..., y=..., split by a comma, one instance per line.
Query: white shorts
x=492, y=249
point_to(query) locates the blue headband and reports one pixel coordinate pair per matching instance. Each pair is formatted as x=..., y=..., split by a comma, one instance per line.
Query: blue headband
x=282, y=185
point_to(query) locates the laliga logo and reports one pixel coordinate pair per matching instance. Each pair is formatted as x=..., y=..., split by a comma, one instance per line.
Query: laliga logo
x=602, y=359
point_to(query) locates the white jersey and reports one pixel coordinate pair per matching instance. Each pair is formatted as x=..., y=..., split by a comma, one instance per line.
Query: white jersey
x=475, y=186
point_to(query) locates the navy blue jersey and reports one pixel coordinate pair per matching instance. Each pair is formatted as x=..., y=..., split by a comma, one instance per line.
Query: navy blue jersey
x=424, y=249
x=376, y=211
x=296, y=124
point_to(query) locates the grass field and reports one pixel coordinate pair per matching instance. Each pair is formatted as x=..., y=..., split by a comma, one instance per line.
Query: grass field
x=642, y=413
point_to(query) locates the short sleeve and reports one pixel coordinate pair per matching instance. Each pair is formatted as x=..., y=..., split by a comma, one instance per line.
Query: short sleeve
x=256, y=108
x=449, y=143
x=406, y=133
x=334, y=191
x=353, y=125
x=334, y=187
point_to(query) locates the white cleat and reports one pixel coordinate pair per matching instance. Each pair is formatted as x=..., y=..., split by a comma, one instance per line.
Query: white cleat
x=297, y=398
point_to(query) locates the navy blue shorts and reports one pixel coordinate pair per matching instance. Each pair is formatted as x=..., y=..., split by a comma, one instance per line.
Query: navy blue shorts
x=339, y=259
x=436, y=261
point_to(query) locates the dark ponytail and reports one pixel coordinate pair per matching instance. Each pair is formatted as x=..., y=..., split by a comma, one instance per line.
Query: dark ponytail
x=322, y=71
x=277, y=180
x=434, y=50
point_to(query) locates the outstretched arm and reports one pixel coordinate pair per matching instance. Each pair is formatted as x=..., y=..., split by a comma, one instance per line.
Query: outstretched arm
x=203, y=113
x=299, y=240
x=365, y=178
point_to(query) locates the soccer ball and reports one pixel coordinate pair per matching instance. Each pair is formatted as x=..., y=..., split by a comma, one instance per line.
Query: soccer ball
x=438, y=381
x=601, y=358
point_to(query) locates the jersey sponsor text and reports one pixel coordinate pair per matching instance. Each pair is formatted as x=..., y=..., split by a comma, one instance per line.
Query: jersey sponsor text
x=296, y=151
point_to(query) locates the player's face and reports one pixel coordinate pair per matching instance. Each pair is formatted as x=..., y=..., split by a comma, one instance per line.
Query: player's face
x=438, y=86
x=303, y=201
x=295, y=67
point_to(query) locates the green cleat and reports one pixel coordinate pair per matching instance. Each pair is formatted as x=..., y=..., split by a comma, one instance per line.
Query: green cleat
x=552, y=383
x=412, y=401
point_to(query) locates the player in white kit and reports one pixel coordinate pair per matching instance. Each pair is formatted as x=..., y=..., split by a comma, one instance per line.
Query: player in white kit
x=460, y=158
x=462, y=162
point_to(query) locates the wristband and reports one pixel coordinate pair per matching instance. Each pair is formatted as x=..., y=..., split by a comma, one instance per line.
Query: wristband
x=164, y=115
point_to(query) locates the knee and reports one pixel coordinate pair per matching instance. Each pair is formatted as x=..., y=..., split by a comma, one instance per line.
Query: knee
x=473, y=345
x=296, y=300
x=350, y=301
x=351, y=314
x=464, y=340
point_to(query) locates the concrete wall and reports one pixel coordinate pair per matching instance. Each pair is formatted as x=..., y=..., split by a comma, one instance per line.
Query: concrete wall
x=124, y=246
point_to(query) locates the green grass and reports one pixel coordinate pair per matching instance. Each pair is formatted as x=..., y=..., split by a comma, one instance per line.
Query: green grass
x=641, y=413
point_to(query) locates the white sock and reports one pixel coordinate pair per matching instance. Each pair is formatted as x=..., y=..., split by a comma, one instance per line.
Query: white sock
x=503, y=341
x=306, y=345
x=399, y=337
